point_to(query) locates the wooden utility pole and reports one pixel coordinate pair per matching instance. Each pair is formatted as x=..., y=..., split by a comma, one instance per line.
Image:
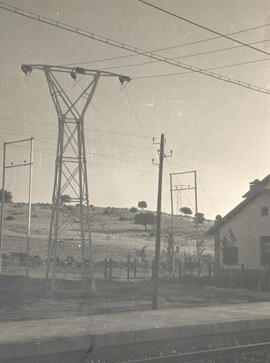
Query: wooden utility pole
x=158, y=229
x=172, y=228
x=29, y=210
x=2, y=207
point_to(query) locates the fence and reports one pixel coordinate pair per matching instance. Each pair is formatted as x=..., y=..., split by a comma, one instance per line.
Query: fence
x=127, y=268
x=133, y=268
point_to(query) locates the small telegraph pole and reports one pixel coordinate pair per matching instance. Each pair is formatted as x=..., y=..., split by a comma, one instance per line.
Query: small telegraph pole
x=30, y=164
x=179, y=188
x=2, y=205
x=158, y=224
x=172, y=228
x=29, y=208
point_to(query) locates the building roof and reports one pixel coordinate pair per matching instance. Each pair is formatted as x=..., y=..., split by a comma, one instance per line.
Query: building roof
x=259, y=185
x=249, y=196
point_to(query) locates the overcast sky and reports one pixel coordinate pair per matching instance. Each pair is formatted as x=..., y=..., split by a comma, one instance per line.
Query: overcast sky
x=219, y=129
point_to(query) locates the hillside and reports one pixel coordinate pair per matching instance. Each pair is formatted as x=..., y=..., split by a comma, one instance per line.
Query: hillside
x=114, y=233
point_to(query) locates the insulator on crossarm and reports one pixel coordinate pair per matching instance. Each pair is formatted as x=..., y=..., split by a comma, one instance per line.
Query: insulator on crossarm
x=26, y=68
x=73, y=75
x=124, y=79
x=79, y=70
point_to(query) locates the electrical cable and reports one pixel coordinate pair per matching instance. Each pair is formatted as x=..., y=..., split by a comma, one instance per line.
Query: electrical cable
x=195, y=42
x=206, y=69
x=186, y=155
x=96, y=163
x=120, y=45
x=137, y=118
x=92, y=130
x=105, y=130
x=207, y=195
x=177, y=177
x=203, y=27
x=193, y=55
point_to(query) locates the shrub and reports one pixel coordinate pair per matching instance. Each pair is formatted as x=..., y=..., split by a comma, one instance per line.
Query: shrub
x=133, y=210
x=123, y=218
x=107, y=211
x=199, y=218
x=145, y=219
x=7, y=196
x=186, y=210
x=142, y=204
x=9, y=218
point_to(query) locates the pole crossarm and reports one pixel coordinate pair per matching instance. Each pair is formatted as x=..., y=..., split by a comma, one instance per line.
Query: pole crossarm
x=179, y=189
x=73, y=71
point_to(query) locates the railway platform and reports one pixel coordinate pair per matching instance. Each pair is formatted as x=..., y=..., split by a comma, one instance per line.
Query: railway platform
x=120, y=335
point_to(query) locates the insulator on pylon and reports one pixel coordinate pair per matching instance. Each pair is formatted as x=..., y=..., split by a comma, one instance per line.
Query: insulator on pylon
x=80, y=70
x=26, y=68
x=73, y=75
x=123, y=79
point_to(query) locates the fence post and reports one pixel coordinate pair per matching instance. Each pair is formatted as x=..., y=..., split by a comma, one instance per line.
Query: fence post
x=209, y=269
x=128, y=266
x=190, y=265
x=153, y=267
x=179, y=268
x=105, y=269
x=135, y=268
x=110, y=268
x=243, y=275
x=199, y=266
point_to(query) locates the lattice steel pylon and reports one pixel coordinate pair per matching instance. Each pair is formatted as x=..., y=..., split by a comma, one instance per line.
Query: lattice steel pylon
x=70, y=165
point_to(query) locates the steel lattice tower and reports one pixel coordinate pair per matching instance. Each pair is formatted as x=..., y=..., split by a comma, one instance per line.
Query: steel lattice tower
x=70, y=164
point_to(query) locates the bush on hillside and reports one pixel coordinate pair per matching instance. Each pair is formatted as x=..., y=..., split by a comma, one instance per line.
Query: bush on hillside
x=145, y=219
x=9, y=218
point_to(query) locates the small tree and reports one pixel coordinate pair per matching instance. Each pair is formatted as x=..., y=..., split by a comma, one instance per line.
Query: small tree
x=7, y=196
x=199, y=218
x=142, y=204
x=133, y=210
x=186, y=210
x=145, y=218
x=65, y=198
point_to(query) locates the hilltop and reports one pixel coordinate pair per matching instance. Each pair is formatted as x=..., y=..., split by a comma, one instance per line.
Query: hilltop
x=114, y=232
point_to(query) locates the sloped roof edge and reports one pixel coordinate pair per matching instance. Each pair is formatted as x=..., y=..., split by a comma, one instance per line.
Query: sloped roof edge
x=237, y=209
x=260, y=184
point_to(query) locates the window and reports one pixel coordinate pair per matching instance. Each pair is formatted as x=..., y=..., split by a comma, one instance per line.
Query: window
x=264, y=211
x=265, y=251
x=230, y=255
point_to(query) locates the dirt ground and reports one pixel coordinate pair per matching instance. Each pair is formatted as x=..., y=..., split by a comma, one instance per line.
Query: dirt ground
x=70, y=299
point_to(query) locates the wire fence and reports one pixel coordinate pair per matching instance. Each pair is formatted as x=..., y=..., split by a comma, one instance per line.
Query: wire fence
x=129, y=267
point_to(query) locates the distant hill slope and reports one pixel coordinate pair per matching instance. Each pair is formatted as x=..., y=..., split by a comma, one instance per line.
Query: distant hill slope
x=114, y=230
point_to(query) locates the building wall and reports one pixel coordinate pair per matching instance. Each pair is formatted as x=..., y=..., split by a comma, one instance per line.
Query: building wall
x=247, y=226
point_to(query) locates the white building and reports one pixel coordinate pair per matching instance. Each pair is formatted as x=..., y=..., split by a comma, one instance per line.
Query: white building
x=242, y=237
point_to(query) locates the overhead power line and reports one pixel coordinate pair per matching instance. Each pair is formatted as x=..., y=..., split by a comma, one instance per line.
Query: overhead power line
x=132, y=49
x=207, y=69
x=203, y=27
x=137, y=118
x=198, y=54
x=194, y=42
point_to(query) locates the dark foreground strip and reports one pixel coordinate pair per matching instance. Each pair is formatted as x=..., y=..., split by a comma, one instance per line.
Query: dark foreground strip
x=219, y=353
